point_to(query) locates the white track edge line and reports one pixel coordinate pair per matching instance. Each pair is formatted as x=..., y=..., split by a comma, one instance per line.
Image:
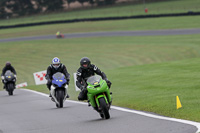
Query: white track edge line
x=196, y=124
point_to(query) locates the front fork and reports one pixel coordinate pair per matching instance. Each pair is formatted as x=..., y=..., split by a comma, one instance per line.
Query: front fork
x=53, y=93
x=107, y=102
x=66, y=88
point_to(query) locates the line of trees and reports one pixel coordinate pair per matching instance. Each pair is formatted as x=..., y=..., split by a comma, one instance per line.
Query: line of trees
x=26, y=7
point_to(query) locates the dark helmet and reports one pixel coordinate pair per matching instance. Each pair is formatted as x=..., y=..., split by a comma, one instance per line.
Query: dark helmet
x=8, y=63
x=85, y=62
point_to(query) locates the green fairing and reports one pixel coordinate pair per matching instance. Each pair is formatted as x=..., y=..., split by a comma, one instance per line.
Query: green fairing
x=100, y=91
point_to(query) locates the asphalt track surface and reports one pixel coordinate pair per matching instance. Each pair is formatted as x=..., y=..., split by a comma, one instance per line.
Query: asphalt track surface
x=106, y=34
x=28, y=112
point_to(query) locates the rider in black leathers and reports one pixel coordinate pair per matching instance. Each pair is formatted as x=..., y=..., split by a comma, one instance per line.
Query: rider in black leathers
x=55, y=67
x=84, y=72
x=8, y=66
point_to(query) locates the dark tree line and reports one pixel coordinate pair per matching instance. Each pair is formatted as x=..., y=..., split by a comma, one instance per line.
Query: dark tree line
x=27, y=7
x=3, y=13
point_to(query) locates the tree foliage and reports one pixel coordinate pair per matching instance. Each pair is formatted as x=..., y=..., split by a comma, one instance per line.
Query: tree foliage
x=70, y=1
x=2, y=9
x=82, y=1
x=20, y=7
x=27, y=7
x=51, y=5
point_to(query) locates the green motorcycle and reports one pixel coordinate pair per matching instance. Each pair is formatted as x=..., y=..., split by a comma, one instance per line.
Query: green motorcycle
x=99, y=95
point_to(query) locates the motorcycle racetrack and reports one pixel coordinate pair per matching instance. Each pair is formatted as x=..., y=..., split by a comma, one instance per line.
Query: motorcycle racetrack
x=107, y=34
x=31, y=112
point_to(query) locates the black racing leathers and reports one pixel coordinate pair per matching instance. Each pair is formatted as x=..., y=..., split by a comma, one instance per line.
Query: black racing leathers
x=51, y=71
x=83, y=75
x=11, y=68
x=6, y=68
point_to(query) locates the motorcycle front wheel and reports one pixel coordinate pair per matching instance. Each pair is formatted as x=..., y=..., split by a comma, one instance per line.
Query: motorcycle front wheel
x=104, y=108
x=60, y=98
x=10, y=88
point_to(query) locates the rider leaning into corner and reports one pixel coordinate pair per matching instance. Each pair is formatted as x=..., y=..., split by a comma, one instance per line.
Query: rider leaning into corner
x=85, y=71
x=7, y=67
x=58, y=33
x=55, y=67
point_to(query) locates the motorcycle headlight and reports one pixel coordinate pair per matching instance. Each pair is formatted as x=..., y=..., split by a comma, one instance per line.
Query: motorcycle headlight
x=95, y=83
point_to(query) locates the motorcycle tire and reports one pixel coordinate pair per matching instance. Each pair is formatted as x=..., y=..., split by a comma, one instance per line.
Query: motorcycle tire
x=60, y=97
x=101, y=115
x=104, y=108
x=10, y=88
x=57, y=105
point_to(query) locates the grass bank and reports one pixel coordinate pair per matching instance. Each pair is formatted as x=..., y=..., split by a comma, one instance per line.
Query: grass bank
x=121, y=25
x=170, y=6
x=147, y=72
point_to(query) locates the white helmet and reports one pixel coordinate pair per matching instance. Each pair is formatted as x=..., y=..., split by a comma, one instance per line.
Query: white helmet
x=56, y=62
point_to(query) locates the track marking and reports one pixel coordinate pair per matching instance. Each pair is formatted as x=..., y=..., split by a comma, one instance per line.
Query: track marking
x=196, y=124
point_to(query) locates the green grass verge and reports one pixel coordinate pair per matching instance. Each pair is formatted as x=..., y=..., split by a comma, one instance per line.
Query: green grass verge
x=142, y=69
x=154, y=88
x=171, y=6
x=133, y=24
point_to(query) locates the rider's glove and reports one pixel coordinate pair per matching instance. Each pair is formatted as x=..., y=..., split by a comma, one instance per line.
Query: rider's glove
x=67, y=81
x=66, y=86
x=108, y=82
x=49, y=81
x=2, y=77
x=83, y=88
x=15, y=76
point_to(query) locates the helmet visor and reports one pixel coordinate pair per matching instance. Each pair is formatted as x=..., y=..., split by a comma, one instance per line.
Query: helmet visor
x=56, y=65
x=85, y=65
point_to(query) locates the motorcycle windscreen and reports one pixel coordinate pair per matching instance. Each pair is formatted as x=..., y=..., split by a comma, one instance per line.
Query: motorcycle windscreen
x=59, y=79
x=8, y=73
x=93, y=80
x=58, y=76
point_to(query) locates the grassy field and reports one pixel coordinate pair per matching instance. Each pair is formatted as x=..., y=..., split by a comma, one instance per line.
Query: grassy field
x=133, y=24
x=171, y=6
x=154, y=88
x=147, y=72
